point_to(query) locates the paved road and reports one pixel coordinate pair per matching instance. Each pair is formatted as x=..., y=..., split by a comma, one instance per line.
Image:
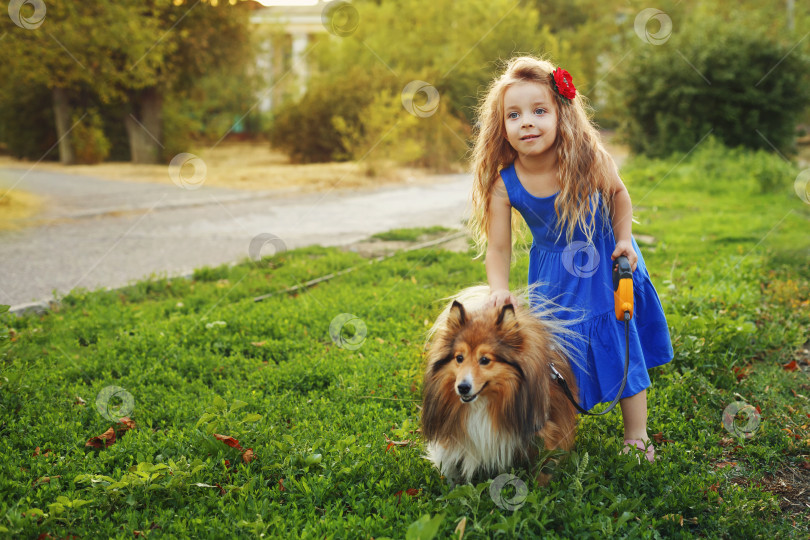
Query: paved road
x=98, y=233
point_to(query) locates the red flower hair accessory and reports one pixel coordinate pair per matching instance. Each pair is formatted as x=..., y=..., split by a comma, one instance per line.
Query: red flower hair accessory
x=562, y=83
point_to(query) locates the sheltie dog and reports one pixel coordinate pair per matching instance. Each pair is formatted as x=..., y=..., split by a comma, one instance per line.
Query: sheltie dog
x=488, y=394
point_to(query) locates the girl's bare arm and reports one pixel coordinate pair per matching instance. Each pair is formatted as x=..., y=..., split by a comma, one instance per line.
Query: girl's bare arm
x=622, y=218
x=499, y=245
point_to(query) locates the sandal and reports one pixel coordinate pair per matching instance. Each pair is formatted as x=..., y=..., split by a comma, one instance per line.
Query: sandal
x=650, y=450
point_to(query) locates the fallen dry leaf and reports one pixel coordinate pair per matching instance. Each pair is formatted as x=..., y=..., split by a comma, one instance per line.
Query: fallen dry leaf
x=257, y=343
x=79, y=401
x=390, y=442
x=677, y=518
x=790, y=366
x=46, y=479
x=248, y=456
x=742, y=372
x=462, y=525
x=659, y=438
x=125, y=424
x=102, y=441
x=43, y=454
x=413, y=492
x=230, y=441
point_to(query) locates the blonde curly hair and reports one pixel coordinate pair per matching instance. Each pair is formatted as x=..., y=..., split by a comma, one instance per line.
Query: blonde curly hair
x=586, y=170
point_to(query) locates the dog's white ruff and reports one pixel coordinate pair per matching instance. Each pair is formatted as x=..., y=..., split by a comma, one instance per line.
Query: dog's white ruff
x=480, y=450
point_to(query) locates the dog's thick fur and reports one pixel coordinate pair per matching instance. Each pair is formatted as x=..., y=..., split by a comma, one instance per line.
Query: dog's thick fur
x=488, y=393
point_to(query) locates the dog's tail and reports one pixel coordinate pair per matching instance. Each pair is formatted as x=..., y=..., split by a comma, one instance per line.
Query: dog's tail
x=544, y=309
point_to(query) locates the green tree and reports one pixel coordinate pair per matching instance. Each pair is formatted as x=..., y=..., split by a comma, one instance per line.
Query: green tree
x=127, y=54
x=202, y=39
x=80, y=48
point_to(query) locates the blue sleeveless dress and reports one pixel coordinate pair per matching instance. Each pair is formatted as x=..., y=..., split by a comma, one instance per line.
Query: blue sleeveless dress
x=578, y=276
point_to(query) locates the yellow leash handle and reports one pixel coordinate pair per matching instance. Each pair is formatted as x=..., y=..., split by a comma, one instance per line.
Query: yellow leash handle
x=623, y=288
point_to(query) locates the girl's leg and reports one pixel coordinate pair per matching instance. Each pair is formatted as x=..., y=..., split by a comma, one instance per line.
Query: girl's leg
x=634, y=415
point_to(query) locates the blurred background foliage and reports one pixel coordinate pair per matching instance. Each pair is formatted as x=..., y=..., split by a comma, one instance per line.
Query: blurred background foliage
x=144, y=80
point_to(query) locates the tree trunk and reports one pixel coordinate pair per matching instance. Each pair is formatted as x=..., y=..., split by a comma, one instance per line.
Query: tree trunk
x=62, y=111
x=144, y=126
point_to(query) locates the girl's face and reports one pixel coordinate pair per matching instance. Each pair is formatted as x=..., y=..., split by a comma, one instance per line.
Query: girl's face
x=530, y=118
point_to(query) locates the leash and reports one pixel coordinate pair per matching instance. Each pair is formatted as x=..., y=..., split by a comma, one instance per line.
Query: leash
x=623, y=297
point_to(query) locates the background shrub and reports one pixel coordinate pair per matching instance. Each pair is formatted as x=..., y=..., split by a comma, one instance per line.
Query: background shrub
x=87, y=137
x=305, y=129
x=744, y=88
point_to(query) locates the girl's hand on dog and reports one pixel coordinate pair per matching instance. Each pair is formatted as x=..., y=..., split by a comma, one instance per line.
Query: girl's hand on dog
x=625, y=247
x=500, y=297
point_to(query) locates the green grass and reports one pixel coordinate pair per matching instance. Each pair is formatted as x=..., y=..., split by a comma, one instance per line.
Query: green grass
x=409, y=235
x=200, y=357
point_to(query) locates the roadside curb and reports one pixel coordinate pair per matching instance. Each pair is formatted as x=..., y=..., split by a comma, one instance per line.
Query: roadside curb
x=42, y=307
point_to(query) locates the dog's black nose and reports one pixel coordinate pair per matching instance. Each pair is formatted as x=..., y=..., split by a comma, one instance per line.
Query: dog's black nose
x=464, y=388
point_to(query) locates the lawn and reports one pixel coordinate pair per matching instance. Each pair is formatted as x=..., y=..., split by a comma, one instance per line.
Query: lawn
x=298, y=416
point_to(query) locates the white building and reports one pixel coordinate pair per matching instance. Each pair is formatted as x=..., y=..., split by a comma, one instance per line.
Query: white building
x=285, y=29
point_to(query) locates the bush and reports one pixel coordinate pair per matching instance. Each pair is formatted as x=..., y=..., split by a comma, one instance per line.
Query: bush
x=755, y=91
x=90, y=145
x=305, y=130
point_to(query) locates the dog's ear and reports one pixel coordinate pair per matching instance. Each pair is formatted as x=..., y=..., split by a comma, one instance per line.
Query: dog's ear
x=507, y=316
x=457, y=315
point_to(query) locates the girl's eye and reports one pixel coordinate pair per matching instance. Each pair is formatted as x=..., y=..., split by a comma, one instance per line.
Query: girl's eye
x=539, y=109
x=510, y=115
x=483, y=361
x=459, y=359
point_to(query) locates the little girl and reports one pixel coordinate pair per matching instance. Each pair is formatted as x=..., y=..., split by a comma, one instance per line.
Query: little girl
x=538, y=152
